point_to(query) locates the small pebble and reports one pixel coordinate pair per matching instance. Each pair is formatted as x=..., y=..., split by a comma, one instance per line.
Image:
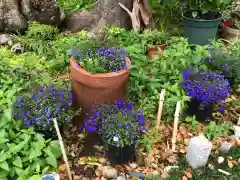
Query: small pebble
x=232, y=137
x=137, y=174
x=121, y=178
x=102, y=160
x=225, y=147
x=220, y=160
x=210, y=166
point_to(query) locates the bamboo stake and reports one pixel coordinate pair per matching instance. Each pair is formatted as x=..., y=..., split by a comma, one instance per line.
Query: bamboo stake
x=160, y=107
x=62, y=148
x=175, y=126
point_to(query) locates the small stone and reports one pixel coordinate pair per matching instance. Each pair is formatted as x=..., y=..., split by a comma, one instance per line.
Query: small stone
x=154, y=165
x=133, y=165
x=76, y=177
x=99, y=171
x=108, y=163
x=225, y=147
x=73, y=154
x=110, y=172
x=156, y=173
x=136, y=174
x=220, y=160
x=121, y=178
x=210, y=166
x=232, y=137
x=102, y=160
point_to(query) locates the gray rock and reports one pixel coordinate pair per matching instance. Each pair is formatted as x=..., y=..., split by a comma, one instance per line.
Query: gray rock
x=5, y=39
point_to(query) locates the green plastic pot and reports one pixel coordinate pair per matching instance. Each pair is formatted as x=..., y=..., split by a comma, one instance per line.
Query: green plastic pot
x=200, y=31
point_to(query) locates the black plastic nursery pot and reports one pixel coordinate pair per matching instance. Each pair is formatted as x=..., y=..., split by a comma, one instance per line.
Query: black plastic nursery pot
x=202, y=113
x=49, y=134
x=119, y=155
x=200, y=31
x=52, y=134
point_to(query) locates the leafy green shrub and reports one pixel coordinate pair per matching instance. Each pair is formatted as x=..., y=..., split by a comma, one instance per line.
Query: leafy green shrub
x=213, y=130
x=41, y=31
x=71, y=6
x=38, y=38
x=24, y=152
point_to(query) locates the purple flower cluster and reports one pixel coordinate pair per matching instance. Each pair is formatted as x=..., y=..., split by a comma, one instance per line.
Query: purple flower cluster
x=117, y=123
x=205, y=87
x=101, y=59
x=223, y=63
x=40, y=107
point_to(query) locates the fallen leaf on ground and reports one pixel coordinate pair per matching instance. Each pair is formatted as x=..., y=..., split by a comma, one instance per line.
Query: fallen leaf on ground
x=230, y=164
x=189, y=175
x=184, y=132
x=62, y=168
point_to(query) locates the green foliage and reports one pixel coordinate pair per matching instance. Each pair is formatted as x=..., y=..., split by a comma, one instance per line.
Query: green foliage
x=24, y=152
x=41, y=31
x=200, y=7
x=191, y=122
x=154, y=37
x=167, y=16
x=151, y=177
x=234, y=152
x=71, y=6
x=214, y=131
x=149, y=138
x=38, y=38
x=20, y=73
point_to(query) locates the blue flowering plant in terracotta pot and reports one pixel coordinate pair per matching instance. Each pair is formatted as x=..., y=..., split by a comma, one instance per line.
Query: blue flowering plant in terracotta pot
x=101, y=60
x=206, y=89
x=119, y=126
x=40, y=107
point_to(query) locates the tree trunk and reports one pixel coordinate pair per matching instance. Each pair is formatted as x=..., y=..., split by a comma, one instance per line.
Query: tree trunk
x=104, y=12
x=14, y=14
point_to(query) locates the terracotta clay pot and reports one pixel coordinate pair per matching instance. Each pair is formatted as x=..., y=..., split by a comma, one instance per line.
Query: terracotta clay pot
x=155, y=52
x=89, y=89
x=229, y=33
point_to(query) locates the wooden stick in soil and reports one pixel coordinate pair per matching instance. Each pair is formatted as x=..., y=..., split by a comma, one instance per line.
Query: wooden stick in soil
x=160, y=107
x=62, y=149
x=175, y=126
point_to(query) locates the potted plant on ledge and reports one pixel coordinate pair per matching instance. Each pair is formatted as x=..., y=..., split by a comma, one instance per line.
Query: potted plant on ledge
x=119, y=126
x=206, y=89
x=231, y=23
x=201, y=19
x=156, y=42
x=99, y=75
